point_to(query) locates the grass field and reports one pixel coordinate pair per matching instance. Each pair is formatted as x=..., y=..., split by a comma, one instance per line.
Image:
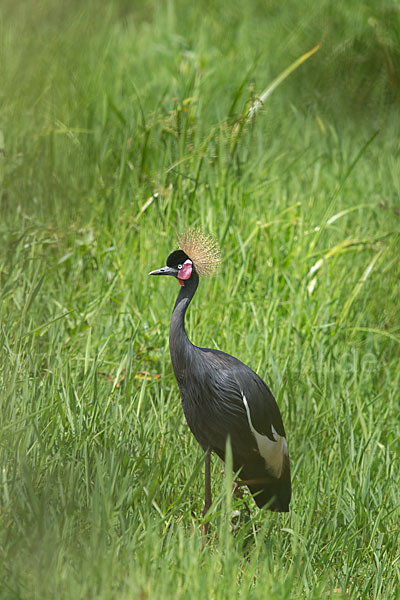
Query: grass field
x=121, y=125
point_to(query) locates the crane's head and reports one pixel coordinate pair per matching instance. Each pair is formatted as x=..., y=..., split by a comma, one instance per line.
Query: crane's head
x=179, y=265
x=198, y=253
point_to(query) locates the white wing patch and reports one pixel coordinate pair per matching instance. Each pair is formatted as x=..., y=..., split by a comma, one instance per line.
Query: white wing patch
x=272, y=452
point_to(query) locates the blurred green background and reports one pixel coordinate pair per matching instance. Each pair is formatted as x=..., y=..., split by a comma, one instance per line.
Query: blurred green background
x=122, y=123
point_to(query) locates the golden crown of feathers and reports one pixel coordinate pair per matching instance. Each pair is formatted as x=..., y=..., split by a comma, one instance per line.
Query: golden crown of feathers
x=202, y=249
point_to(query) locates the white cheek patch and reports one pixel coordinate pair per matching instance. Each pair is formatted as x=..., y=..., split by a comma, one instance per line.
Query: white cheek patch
x=272, y=452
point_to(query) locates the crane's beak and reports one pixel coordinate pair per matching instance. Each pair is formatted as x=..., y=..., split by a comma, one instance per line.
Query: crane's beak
x=165, y=271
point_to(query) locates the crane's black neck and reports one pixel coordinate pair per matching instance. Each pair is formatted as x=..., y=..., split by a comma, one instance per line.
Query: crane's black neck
x=180, y=347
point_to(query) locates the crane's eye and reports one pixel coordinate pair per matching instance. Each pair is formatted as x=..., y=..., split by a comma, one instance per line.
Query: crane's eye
x=179, y=267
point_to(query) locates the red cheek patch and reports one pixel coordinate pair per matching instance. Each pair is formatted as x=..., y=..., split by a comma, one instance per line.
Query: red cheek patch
x=185, y=272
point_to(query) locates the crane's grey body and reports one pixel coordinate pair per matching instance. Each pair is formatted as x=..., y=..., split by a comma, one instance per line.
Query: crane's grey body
x=222, y=398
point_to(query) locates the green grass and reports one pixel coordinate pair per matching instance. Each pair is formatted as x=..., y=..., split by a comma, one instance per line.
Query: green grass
x=119, y=126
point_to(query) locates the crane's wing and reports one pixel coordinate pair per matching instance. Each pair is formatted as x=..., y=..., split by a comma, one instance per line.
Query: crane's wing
x=243, y=406
x=226, y=399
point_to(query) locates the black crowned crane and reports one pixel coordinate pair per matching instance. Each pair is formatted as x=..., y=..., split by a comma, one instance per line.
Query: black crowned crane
x=221, y=397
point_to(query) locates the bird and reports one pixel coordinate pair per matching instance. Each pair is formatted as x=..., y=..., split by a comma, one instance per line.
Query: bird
x=222, y=398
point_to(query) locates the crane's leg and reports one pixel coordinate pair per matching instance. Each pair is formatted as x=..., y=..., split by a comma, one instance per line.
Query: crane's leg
x=239, y=484
x=208, y=498
x=236, y=491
